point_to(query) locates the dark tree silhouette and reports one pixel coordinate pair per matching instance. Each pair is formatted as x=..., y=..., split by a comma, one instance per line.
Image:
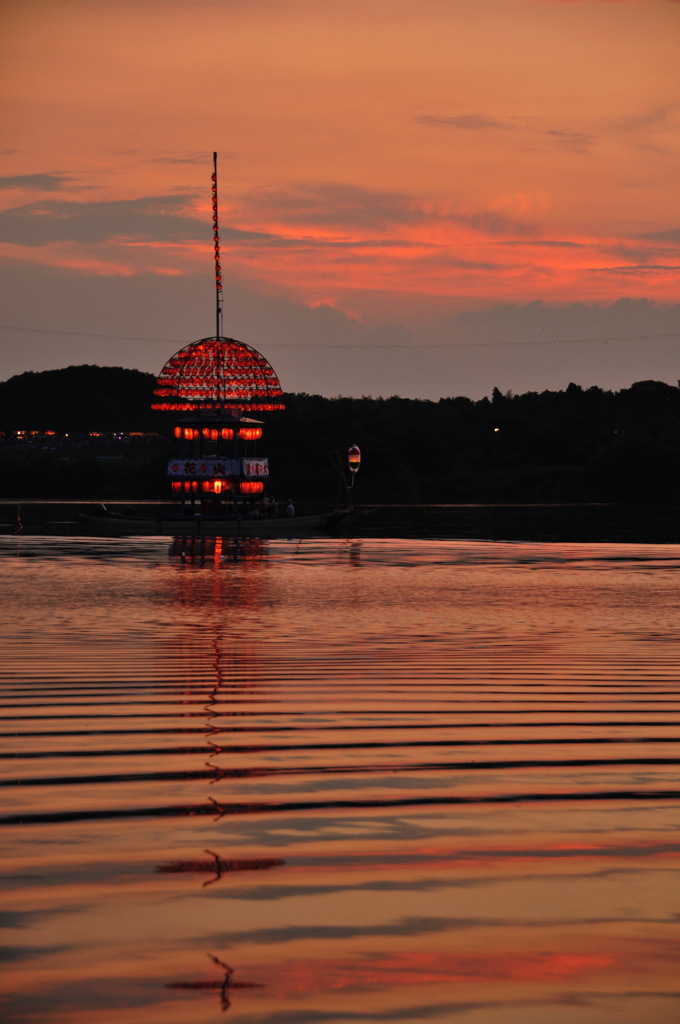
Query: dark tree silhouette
x=577, y=445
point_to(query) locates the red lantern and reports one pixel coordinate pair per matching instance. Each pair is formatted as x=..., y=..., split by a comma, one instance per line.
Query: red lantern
x=250, y=433
x=354, y=458
x=227, y=434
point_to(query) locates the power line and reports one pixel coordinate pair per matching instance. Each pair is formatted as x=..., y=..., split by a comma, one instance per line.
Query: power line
x=413, y=347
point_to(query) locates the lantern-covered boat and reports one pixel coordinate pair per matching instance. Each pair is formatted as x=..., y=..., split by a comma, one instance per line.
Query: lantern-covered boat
x=216, y=471
x=103, y=522
x=213, y=383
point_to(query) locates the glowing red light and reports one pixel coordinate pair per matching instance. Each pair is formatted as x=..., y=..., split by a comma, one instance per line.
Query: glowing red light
x=216, y=373
x=250, y=433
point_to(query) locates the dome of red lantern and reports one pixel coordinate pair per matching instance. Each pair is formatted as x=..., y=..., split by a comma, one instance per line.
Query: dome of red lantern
x=217, y=373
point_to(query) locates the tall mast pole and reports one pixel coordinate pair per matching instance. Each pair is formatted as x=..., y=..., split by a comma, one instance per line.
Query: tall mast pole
x=216, y=246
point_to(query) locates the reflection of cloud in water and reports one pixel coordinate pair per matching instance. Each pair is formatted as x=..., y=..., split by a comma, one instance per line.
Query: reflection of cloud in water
x=412, y=926
x=96, y=993
x=18, y=918
x=304, y=976
x=427, y=1011
x=15, y=954
x=295, y=933
x=283, y=892
x=512, y=1011
x=389, y=829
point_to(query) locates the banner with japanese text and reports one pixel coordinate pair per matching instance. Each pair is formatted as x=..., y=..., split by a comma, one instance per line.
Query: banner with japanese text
x=216, y=469
x=255, y=467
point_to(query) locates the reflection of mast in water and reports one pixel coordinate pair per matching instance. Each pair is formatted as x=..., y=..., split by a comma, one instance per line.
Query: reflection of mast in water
x=214, y=673
x=217, y=582
x=223, y=987
x=219, y=866
x=214, y=693
x=212, y=700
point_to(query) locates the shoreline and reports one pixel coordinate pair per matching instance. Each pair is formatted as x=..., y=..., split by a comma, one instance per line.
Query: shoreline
x=594, y=522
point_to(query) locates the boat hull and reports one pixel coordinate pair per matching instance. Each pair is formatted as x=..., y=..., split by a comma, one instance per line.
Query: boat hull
x=212, y=526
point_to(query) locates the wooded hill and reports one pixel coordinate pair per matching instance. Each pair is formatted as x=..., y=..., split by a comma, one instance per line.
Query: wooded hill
x=78, y=399
x=581, y=444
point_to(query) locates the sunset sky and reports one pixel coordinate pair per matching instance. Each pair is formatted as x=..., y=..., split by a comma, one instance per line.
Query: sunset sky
x=418, y=197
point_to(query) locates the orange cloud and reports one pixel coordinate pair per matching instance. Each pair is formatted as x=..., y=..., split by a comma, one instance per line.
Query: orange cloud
x=395, y=155
x=331, y=242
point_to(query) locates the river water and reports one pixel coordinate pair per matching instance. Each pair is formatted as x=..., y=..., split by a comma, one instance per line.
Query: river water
x=339, y=781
